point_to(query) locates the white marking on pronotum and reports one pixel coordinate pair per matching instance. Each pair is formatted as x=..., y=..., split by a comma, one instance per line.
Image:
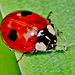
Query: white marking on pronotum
x=39, y=34
x=40, y=46
x=54, y=40
x=47, y=37
x=52, y=45
x=50, y=29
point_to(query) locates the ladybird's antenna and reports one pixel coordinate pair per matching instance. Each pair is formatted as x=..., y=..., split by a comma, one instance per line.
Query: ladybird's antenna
x=49, y=14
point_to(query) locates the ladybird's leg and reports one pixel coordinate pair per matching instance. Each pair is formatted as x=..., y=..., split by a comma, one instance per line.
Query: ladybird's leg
x=22, y=56
x=33, y=51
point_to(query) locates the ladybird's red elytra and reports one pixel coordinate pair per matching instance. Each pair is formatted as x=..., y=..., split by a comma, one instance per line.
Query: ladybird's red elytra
x=19, y=29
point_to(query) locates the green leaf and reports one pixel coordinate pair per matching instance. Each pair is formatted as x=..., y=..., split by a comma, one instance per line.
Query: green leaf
x=57, y=63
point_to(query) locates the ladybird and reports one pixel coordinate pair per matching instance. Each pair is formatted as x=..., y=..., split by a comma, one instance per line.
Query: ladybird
x=28, y=32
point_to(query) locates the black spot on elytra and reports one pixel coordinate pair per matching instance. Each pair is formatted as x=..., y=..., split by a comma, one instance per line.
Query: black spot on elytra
x=25, y=13
x=12, y=35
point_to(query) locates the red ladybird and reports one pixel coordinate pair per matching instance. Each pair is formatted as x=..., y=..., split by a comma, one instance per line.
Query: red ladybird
x=26, y=31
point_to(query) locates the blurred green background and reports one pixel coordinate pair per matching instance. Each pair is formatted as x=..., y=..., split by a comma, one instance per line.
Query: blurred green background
x=58, y=63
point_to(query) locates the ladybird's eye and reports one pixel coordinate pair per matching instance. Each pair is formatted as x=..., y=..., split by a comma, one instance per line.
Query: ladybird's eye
x=12, y=35
x=25, y=13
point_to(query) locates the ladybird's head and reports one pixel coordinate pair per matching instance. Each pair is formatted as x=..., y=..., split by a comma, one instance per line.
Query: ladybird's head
x=46, y=38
